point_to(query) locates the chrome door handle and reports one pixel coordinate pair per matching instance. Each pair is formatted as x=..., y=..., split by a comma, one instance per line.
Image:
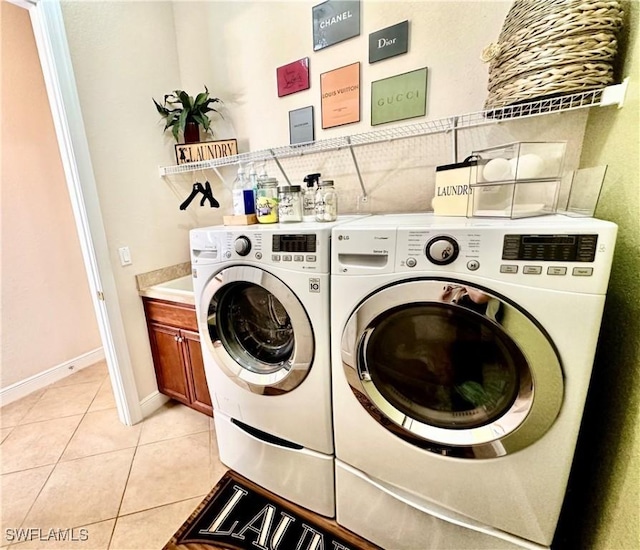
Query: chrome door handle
x=361, y=360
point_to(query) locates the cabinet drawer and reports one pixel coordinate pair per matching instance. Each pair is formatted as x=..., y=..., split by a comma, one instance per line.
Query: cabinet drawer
x=170, y=313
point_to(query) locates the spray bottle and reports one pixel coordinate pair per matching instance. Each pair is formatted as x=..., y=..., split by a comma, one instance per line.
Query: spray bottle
x=308, y=199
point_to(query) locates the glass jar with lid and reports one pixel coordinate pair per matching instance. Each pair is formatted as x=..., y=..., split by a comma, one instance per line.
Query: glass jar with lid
x=267, y=200
x=289, y=204
x=326, y=202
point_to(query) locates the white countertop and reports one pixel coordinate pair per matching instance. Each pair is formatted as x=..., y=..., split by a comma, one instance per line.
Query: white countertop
x=176, y=290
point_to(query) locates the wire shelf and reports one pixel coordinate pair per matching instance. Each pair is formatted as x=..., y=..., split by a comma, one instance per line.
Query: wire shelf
x=600, y=97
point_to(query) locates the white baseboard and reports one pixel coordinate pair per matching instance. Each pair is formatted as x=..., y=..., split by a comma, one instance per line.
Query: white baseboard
x=38, y=381
x=152, y=403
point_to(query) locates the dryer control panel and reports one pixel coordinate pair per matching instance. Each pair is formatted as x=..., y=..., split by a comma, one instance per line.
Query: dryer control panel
x=550, y=248
x=554, y=252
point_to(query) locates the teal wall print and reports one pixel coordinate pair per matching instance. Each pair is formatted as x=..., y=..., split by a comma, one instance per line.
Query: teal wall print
x=399, y=97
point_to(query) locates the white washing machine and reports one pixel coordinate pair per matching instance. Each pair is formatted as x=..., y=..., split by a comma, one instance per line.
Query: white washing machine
x=262, y=301
x=461, y=353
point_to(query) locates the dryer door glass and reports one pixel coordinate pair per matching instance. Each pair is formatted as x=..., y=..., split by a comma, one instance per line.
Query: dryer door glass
x=453, y=368
x=443, y=365
x=259, y=332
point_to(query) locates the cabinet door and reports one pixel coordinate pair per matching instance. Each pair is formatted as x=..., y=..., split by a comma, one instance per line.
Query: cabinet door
x=200, y=396
x=168, y=361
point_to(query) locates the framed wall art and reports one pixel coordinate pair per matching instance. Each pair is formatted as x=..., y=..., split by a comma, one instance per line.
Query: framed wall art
x=389, y=42
x=293, y=77
x=399, y=97
x=335, y=21
x=340, y=96
x=301, y=128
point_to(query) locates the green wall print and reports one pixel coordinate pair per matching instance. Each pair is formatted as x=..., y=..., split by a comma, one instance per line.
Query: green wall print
x=399, y=97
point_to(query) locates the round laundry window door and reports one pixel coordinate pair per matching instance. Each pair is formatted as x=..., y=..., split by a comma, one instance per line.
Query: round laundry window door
x=443, y=366
x=259, y=331
x=452, y=368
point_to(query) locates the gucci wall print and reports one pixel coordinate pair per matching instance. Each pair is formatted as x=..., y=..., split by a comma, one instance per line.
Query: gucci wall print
x=399, y=97
x=335, y=21
x=389, y=42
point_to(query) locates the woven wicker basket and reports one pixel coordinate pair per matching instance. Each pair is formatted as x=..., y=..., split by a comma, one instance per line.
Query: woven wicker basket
x=552, y=47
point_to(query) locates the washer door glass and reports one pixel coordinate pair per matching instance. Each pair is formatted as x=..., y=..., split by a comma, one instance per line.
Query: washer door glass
x=254, y=327
x=259, y=332
x=452, y=368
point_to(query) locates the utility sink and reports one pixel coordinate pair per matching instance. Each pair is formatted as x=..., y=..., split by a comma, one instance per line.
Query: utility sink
x=183, y=285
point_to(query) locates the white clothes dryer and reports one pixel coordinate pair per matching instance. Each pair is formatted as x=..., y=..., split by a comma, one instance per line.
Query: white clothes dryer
x=262, y=302
x=461, y=352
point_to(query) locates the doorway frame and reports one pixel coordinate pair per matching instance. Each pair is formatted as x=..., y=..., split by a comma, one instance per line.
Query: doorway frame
x=55, y=59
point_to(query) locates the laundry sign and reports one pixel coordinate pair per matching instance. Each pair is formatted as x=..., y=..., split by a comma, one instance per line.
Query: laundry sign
x=206, y=150
x=453, y=187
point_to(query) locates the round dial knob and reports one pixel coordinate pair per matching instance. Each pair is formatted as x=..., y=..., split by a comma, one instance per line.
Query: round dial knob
x=242, y=246
x=442, y=250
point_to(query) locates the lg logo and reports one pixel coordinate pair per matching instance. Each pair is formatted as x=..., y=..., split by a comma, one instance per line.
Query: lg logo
x=343, y=237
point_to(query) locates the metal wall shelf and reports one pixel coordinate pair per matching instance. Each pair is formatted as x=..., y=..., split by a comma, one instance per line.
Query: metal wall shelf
x=611, y=95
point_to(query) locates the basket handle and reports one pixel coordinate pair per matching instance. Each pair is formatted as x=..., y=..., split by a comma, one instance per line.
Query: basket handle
x=492, y=51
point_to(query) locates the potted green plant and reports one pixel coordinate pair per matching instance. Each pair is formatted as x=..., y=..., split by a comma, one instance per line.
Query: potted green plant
x=184, y=114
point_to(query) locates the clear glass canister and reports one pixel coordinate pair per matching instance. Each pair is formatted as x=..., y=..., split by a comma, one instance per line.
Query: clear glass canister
x=326, y=202
x=267, y=200
x=290, y=204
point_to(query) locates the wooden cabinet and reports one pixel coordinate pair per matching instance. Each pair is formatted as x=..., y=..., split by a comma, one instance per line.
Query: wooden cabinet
x=177, y=356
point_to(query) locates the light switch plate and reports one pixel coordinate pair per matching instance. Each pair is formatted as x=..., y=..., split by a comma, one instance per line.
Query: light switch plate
x=125, y=255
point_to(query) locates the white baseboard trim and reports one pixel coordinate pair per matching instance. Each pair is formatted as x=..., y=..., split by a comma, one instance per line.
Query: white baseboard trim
x=152, y=403
x=42, y=379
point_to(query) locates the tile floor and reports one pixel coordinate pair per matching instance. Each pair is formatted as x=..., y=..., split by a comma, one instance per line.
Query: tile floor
x=67, y=462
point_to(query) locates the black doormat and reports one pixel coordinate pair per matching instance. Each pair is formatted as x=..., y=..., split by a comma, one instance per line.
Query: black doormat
x=239, y=515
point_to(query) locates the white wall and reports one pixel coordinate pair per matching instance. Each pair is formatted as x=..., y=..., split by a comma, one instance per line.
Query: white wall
x=125, y=53
x=47, y=316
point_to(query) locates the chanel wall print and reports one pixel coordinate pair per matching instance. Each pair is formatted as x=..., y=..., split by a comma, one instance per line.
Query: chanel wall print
x=293, y=77
x=340, y=96
x=389, y=42
x=335, y=21
x=301, y=129
x=399, y=97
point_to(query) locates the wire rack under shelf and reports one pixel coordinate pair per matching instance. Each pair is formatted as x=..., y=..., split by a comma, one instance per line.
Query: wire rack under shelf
x=611, y=95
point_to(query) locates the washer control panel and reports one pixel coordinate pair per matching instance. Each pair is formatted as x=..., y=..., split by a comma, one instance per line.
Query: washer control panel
x=295, y=251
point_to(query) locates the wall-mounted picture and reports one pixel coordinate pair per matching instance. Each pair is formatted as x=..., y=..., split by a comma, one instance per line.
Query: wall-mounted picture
x=399, y=97
x=340, y=96
x=293, y=77
x=335, y=21
x=389, y=42
x=301, y=129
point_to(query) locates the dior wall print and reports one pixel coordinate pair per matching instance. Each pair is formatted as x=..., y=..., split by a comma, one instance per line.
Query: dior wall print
x=389, y=42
